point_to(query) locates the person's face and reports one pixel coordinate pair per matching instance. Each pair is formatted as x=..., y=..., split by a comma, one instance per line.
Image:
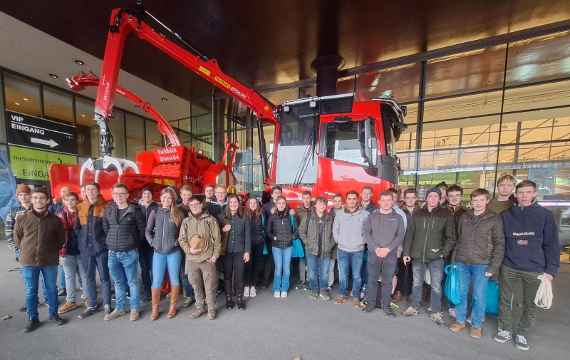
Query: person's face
x=147, y=197
x=479, y=203
x=233, y=204
x=525, y=195
x=92, y=193
x=209, y=192
x=275, y=194
x=166, y=200
x=63, y=192
x=252, y=204
x=24, y=198
x=281, y=204
x=366, y=195
x=454, y=198
x=307, y=200
x=220, y=195
x=320, y=207
x=337, y=202
x=185, y=195
x=506, y=188
x=386, y=202
x=120, y=196
x=432, y=200
x=195, y=207
x=39, y=202
x=410, y=199
x=351, y=201
x=70, y=202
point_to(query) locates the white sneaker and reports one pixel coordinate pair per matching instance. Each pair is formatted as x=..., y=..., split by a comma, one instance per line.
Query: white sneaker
x=252, y=292
x=246, y=291
x=277, y=294
x=283, y=294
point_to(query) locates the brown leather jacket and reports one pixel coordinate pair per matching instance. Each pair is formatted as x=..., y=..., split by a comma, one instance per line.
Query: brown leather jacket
x=39, y=238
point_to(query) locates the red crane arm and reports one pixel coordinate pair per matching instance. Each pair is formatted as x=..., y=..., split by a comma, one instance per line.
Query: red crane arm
x=80, y=81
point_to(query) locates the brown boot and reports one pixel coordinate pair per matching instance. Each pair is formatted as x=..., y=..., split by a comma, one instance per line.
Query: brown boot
x=456, y=327
x=155, y=293
x=173, y=300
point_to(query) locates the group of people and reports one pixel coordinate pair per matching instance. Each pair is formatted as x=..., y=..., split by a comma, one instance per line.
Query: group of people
x=199, y=244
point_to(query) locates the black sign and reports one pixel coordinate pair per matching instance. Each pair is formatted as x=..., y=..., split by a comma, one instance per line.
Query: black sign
x=40, y=133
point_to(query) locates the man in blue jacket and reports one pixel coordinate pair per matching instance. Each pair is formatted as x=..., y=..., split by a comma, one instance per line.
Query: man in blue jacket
x=531, y=249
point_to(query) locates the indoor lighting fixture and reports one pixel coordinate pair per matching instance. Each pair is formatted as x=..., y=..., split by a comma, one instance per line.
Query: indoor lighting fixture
x=164, y=99
x=83, y=115
x=16, y=103
x=79, y=62
x=53, y=76
x=26, y=99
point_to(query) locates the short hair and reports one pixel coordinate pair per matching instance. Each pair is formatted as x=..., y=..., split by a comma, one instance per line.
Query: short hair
x=209, y=186
x=275, y=188
x=506, y=177
x=338, y=196
x=306, y=192
x=455, y=187
x=367, y=188
x=410, y=191
x=186, y=187
x=353, y=192
x=23, y=188
x=146, y=189
x=120, y=186
x=387, y=193
x=321, y=199
x=74, y=194
x=479, y=192
x=442, y=184
x=220, y=187
x=195, y=198
x=392, y=191
x=526, y=183
x=94, y=184
x=41, y=190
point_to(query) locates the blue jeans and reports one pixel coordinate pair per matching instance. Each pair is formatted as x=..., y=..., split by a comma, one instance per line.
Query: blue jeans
x=124, y=268
x=99, y=263
x=61, y=276
x=31, y=275
x=318, y=272
x=436, y=275
x=472, y=274
x=347, y=262
x=282, y=260
x=71, y=268
x=162, y=262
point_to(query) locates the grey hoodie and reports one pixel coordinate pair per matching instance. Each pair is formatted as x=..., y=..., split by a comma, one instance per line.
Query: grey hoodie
x=348, y=230
x=384, y=230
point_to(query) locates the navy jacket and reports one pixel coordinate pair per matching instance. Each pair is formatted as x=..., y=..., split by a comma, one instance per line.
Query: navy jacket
x=531, y=239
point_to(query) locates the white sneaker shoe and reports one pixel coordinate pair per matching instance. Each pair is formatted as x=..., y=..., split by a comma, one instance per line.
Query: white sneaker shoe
x=246, y=291
x=277, y=294
x=252, y=292
x=283, y=294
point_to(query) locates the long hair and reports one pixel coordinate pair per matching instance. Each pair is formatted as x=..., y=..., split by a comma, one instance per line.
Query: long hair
x=253, y=214
x=176, y=215
x=228, y=213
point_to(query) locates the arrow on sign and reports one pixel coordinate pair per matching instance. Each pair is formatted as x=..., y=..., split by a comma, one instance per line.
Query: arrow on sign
x=51, y=143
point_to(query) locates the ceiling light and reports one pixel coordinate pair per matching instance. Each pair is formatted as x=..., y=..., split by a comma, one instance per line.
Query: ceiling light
x=164, y=99
x=79, y=62
x=83, y=115
x=26, y=99
x=16, y=103
x=53, y=76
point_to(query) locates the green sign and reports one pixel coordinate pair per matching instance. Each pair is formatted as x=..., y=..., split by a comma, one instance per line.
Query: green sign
x=30, y=164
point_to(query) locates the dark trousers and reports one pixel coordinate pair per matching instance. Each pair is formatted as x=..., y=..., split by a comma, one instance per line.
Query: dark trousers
x=405, y=278
x=234, y=269
x=254, y=268
x=380, y=266
x=145, y=261
x=518, y=289
x=97, y=263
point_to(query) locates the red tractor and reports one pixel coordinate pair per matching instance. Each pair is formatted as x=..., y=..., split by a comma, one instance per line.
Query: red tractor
x=326, y=145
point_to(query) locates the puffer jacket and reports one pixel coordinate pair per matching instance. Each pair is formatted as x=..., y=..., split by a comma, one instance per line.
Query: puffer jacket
x=428, y=233
x=124, y=233
x=309, y=234
x=39, y=238
x=206, y=227
x=238, y=239
x=257, y=230
x=89, y=229
x=480, y=240
x=280, y=230
x=161, y=232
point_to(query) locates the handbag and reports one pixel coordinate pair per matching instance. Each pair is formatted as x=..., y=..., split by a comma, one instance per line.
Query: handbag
x=298, y=250
x=492, y=298
x=452, y=287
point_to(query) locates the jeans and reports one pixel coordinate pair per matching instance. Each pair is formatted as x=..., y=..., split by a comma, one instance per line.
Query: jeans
x=282, y=260
x=331, y=272
x=31, y=275
x=254, y=267
x=518, y=289
x=61, y=276
x=472, y=275
x=71, y=268
x=163, y=262
x=436, y=273
x=146, y=255
x=318, y=272
x=234, y=269
x=184, y=280
x=91, y=264
x=348, y=261
x=364, y=271
x=380, y=266
x=124, y=266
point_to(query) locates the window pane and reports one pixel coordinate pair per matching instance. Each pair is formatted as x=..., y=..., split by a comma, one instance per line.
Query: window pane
x=22, y=95
x=346, y=141
x=536, y=130
x=87, y=131
x=463, y=107
x=403, y=81
x=153, y=137
x=407, y=139
x=538, y=96
x=135, y=135
x=58, y=104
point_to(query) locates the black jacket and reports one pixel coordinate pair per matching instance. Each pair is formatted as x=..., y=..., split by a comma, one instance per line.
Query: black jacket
x=161, y=232
x=257, y=230
x=238, y=239
x=126, y=232
x=280, y=229
x=310, y=234
x=146, y=211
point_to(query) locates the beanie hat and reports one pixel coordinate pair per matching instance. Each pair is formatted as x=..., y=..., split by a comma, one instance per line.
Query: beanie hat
x=23, y=188
x=434, y=190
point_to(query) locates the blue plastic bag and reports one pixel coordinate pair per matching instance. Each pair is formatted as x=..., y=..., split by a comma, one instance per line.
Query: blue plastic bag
x=492, y=298
x=265, y=250
x=452, y=286
x=298, y=249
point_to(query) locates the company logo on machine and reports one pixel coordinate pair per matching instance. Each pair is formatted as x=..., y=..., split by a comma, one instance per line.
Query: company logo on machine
x=40, y=133
x=169, y=154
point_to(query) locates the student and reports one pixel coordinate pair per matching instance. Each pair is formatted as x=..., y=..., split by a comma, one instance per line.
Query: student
x=302, y=212
x=254, y=267
x=431, y=228
x=24, y=197
x=237, y=239
x=504, y=199
x=186, y=195
x=266, y=210
x=200, y=239
x=124, y=225
x=531, y=250
x=478, y=253
x=349, y=237
x=147, y=205
x=366, y=202
x=384, y=233
x=404, y=279
x=39, y=235
x=316, y=233
x=280, y=231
